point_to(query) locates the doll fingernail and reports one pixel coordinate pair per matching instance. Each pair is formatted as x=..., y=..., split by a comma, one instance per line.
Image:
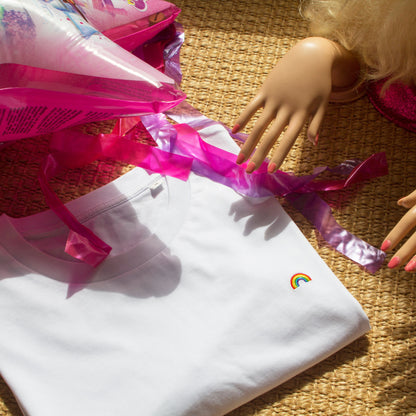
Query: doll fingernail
x=235, y=128
x=386, y=244
x=272, y=167
x=410, y=266
x=240, y=158
x=393, y=262
x=250, y=167
x=313, y=140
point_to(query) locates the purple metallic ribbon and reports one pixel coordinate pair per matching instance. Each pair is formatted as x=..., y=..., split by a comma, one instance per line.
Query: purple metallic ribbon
x=219, y=166
x=301, y=192
x=181, y=149
x=171, y=55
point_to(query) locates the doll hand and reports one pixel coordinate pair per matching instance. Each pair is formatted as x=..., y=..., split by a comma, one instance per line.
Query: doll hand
x=401, y=229
x=296, y=90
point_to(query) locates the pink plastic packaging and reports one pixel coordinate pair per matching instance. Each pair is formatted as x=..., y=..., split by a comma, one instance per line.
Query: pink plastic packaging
x=129, y=23
x=57, y=70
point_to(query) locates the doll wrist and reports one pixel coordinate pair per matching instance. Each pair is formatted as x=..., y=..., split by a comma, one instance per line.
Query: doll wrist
x=349, y=93
x=347, y=82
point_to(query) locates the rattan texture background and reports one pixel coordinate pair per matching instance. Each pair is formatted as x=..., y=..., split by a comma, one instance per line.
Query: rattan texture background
x=230, y=47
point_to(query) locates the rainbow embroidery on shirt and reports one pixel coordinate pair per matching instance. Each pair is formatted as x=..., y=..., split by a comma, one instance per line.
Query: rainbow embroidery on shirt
x=299, y=278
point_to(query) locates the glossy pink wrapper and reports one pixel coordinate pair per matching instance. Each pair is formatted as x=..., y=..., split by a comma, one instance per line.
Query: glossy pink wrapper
x=58, y=70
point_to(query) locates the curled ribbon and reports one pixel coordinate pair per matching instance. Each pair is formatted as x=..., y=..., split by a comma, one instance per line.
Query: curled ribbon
x=300, y=191
x=71, y=148
x=182, y=149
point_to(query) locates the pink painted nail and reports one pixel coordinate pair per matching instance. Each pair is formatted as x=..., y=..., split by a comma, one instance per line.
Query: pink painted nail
x=386, y=244
x=272, y=167
x=235, y=128
x=393, y=262
x=240, y=158
x=410, y=266
x=250, y=167
x=316, y=139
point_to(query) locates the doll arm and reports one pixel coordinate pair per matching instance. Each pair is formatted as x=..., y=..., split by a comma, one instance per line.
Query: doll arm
x=296, y=91
x=408, y=250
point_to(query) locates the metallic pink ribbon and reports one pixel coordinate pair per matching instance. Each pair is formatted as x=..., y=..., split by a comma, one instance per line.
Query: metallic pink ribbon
x=81, y=243
x=299, y=191
x=71, y=148
x=220, y=166
x=181, y=149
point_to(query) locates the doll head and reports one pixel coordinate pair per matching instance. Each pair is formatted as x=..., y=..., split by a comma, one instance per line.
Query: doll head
x=381, y=32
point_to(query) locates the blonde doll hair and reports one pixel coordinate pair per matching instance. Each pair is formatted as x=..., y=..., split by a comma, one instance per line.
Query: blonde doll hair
x=381, y=32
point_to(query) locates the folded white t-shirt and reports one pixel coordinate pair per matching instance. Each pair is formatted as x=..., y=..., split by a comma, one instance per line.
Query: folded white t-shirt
x=207, y=300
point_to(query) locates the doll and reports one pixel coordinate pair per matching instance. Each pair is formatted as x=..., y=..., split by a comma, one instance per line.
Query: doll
x=354, y=41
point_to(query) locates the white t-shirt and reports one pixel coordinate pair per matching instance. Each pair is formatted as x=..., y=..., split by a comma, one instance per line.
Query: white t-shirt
x=206, y=301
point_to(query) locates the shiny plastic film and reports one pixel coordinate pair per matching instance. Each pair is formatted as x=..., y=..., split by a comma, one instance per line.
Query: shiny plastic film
x=57, y=68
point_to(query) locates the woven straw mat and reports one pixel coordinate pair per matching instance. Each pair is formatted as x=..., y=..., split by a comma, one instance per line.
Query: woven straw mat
x=230, y=47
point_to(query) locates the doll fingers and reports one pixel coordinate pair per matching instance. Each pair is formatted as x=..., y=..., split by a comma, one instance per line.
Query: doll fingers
x=400, y=230
x=289, y=138
x=259, y=127
x=247, y=113
x=411, y=266
x=408, y=201
x=406, y=252
x=315, y=124
x=267, y=142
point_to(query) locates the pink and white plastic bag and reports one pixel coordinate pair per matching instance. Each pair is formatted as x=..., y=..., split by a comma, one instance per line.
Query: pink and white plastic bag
x=129, y=23
x=58, y=70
